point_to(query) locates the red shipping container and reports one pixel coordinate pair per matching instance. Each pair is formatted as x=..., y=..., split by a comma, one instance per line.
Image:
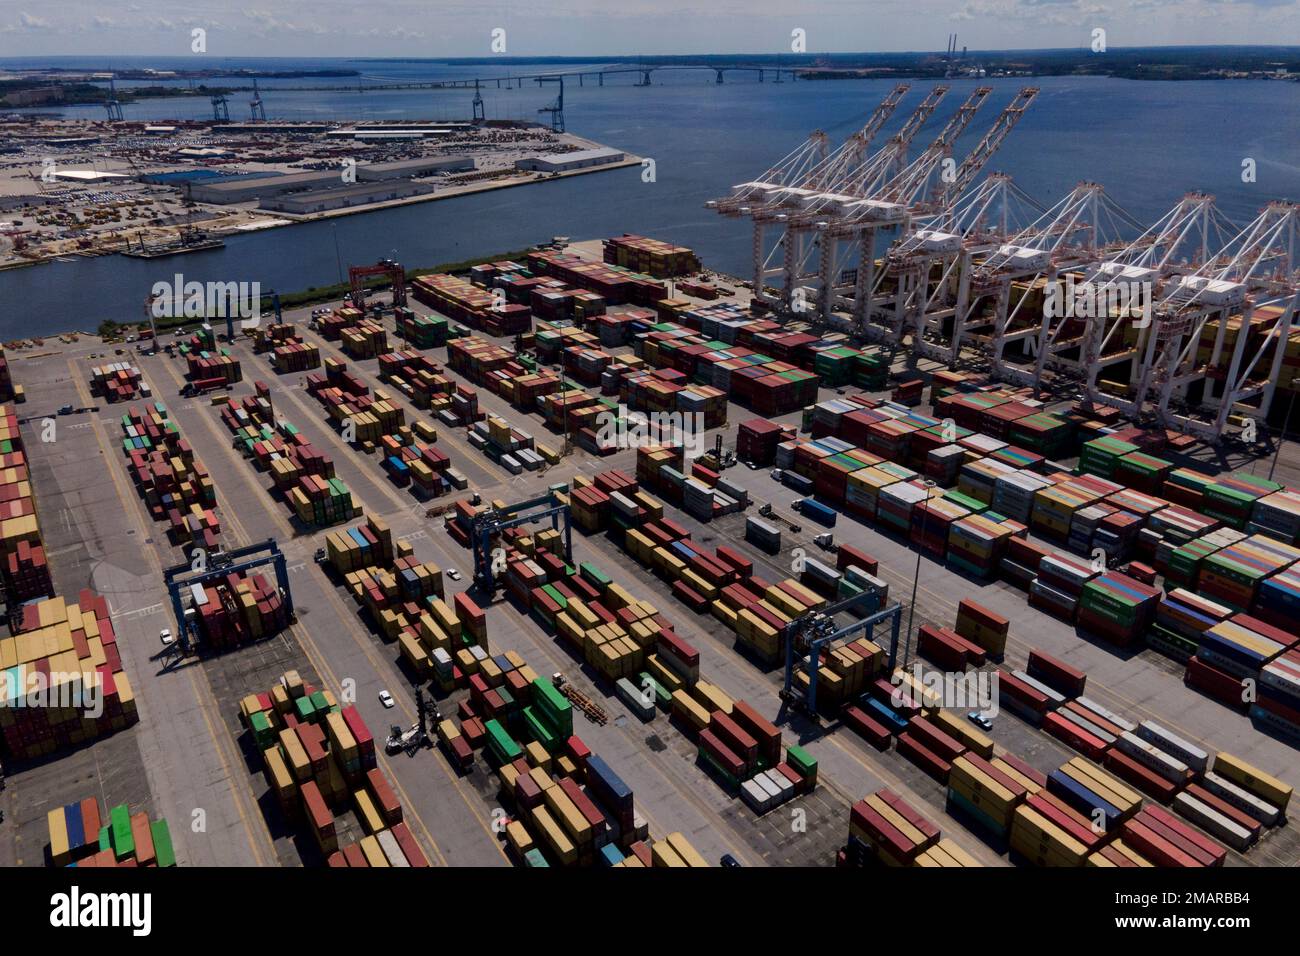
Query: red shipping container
x=721, y=754
x=1075, y=736
x=867, y=727
x=1056, y=674
x=1148, y=781
x=387, y=803
x=923, y=757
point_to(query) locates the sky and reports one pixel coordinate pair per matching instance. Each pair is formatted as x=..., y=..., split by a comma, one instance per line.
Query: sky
x=457, y=28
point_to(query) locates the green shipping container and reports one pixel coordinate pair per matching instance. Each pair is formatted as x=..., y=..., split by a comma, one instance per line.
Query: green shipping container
x=501, y=743
x=803, y=762
x=162, y=843
x=119, y=822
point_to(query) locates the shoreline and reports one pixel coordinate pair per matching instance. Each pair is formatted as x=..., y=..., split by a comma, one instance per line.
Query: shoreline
x=279, y=220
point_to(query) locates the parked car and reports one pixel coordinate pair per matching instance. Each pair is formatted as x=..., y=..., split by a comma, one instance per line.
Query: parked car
x=386, y=699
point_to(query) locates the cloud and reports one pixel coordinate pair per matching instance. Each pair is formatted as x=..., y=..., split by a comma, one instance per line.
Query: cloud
x=345, y=28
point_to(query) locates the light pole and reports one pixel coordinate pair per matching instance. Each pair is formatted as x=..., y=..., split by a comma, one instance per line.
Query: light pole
x=916, y=577
x=1281, y=438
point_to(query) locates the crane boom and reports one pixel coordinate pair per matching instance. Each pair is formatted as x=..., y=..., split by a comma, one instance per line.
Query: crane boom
x=988, y=145
x=906, y=187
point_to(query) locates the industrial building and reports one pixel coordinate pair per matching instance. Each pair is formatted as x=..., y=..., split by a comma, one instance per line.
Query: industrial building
x=354, y=194
x=231, y=191
x=87, y=175
x=567, y=162
x=320, y=185
x=397, y=132
x=424, y=166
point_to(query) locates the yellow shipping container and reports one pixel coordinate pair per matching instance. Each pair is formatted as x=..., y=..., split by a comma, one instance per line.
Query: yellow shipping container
x=690, y=710
x=1117, y=794
x=566, y=812
x=367, y=812
x=962, y=730
x=582, y=615
x=60, y=853
x=682, y=846
x=909, y=832
x=537, y=756
x=668, y=678
x=712, y=697
x=1030, y=785
x=1256, y=781
x=727, y=615
x=664, y=855
x=517, y=835
x=295, y=755
x=341, y=740
x=1044, y=842
x=554, y=836
x=374, y=852
x=277, y=773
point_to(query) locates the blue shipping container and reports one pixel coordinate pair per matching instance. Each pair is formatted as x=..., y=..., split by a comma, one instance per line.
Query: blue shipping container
x=608, y=784
x=817, y=512
x=1082, y=799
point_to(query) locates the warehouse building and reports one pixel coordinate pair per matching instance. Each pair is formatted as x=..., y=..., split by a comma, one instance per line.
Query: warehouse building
x=261, y=187
x=410, y=168
x=354, y=194
x=408, y=131
x=566, y=162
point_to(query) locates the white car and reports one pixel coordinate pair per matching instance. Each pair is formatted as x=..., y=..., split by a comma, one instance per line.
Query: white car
x=453, y=573
x=166, y=637
x=386, y=699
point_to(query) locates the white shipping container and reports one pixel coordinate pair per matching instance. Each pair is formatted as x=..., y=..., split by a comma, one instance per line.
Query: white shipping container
x=1152, y=757
x=821, y=571
x=764, y=781
x=1109, y=715
x=392, y=850
x=782, y=783
x=758, y=798
x=1175, y=746
x=1087, y=725
x=733, y=490
x=1213, y=822
x=1242, y=799
x=1054, y=696
x=727, y=504
x=1282, y=675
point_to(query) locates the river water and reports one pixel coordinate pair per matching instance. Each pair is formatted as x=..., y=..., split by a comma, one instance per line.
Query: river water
x=1147, y=142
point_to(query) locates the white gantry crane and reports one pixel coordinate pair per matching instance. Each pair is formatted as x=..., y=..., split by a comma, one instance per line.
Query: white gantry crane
x=927, y=263
x=805, y=174
x=1070, y=235
x=926, y=187
x=1251, y=289
x=1087, y=332
x=853, y=219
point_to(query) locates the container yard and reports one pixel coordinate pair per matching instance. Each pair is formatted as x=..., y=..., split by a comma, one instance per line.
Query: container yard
x=496, y=631
x=153, y=191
